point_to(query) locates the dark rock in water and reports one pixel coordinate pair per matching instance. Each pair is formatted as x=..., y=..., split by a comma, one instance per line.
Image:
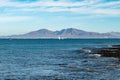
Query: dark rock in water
x=113, y=51
x=109, y=52
x=118, y=46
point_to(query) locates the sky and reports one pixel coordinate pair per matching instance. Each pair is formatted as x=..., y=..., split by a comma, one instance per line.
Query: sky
x=22, y=16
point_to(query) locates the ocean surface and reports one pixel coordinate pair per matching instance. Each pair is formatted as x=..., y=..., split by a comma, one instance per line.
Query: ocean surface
x=53, y=59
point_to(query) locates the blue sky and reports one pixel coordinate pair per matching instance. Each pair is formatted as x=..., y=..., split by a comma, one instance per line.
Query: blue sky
x=21, y=16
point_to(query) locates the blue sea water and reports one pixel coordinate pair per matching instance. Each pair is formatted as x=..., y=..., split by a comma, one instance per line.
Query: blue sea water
x=53, y=59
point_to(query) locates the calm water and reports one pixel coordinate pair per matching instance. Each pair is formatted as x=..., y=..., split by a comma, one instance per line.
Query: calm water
x=50, y=59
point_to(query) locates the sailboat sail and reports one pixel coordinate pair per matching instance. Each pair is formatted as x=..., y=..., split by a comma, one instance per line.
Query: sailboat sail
x=59, y=37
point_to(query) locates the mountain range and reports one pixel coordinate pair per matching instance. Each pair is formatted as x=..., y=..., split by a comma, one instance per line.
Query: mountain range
x=66, y=33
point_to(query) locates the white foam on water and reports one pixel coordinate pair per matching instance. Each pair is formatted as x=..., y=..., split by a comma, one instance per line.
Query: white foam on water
x=98, y=55
x=87, y=50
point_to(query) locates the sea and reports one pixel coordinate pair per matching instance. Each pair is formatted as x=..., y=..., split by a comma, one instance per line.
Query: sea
x=54, y=59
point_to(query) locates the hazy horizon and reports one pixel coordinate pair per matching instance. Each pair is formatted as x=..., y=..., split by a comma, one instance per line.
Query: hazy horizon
x=22, y=16
x=53, y=30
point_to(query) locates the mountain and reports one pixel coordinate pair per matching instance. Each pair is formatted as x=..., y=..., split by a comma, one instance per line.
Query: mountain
x=114, y=33
x=76, y=33
x=42, y=33
x=66, y=33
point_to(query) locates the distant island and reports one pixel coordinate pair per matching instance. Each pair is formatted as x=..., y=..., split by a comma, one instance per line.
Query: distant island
x=65, y=33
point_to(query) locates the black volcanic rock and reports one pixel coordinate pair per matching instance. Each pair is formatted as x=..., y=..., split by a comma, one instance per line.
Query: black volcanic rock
x=113, y=51
x=110, y=52
x=116, y=46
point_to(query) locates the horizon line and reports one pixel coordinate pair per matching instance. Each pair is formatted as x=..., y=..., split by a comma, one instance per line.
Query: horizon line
x=56, y=30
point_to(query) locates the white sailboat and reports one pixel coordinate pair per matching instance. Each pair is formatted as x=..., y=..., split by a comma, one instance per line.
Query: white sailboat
x=59, y=37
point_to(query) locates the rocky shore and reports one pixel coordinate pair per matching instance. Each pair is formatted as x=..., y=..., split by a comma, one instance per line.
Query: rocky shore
x=113, y=51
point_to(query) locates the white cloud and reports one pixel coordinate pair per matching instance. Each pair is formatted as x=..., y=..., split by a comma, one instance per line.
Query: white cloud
x=92, y=7
x=14, y=18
